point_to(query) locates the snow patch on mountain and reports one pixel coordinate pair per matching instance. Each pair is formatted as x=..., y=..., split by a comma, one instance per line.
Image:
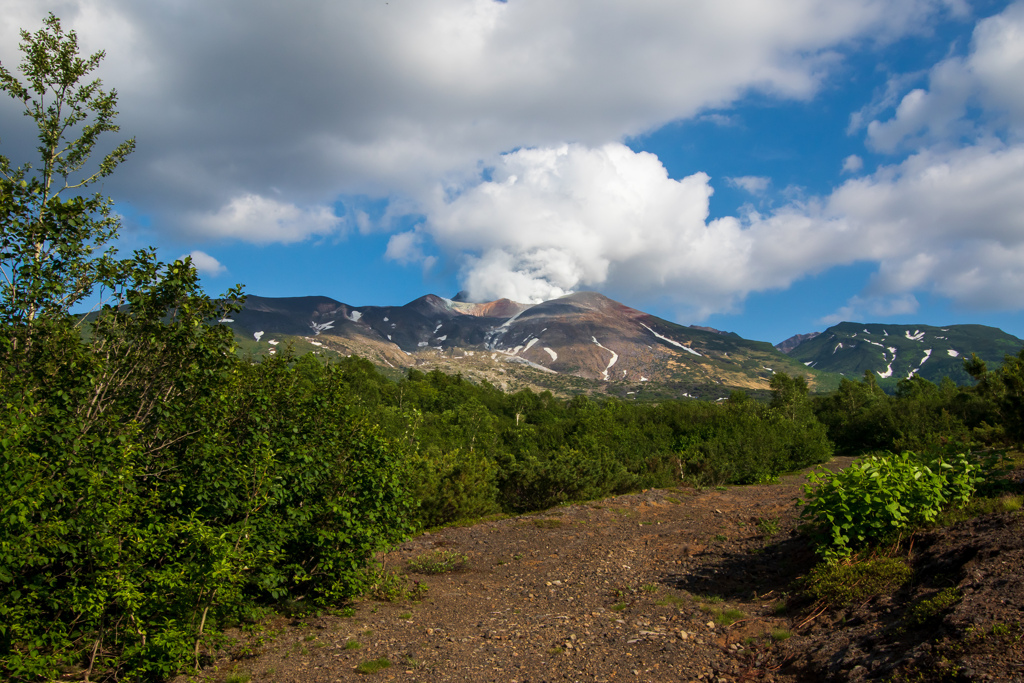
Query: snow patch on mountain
x=354, y=316
x=530, y=343
x=551, y=352
x=952, y=353
x=917, y=336
x=535, y=366
x=321, y=327
x=927, y=355
x=257, y=335
x=615, y=357
x=671, y=341
x=495, y=333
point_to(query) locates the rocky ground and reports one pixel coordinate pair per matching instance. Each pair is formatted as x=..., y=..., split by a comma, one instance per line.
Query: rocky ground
x=664, y=585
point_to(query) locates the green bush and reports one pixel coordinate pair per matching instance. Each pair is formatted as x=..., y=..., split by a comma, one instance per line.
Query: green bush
x=451, y=486
x=837, y=584
x=881, y=495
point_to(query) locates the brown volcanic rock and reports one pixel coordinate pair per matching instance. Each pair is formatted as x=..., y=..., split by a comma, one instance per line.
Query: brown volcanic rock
x=595, y=337
x=502, y=308
x=795, y=341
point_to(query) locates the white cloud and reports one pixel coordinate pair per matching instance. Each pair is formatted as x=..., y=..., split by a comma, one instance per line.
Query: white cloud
x=750, y=183
x=989, y=76
x=326, y=99
x=257, y=219
x=205, y=264
x=852, y=164
x=859, y=309
x=254, y=118
x=560, y=219
x=405, y=247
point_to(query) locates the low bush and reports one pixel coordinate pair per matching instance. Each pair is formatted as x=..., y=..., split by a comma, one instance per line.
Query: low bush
x=881, y=495
x=837, y=583
x=929, y=608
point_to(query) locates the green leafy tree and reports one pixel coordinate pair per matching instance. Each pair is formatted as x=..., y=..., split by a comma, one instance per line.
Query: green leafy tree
x=51, y=231
x=1004, y=389
x=152, y=486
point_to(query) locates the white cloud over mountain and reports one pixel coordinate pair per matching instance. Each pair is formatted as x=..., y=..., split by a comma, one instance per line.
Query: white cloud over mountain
x=559, y=219
x=254, y=118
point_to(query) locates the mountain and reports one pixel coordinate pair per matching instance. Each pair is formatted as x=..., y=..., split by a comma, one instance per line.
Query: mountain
x=795, y=341
x=579, y=342
x=895, y=352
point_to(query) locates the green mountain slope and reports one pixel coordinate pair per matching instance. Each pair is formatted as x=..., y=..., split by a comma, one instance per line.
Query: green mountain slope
x=895, y=352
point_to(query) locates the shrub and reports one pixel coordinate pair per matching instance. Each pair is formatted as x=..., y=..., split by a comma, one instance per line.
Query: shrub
x=837, y=583
x=929, y=608
x=881, y=495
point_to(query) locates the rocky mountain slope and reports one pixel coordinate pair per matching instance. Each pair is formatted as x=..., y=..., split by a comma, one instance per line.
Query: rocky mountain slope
x=586, y=342
x=895, y=352
x=582, y=341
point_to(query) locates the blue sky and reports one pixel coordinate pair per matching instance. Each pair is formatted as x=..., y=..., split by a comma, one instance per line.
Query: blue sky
x=768, y=167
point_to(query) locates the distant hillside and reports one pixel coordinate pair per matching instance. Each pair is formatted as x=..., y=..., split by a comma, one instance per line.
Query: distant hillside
x=795, y=341
x=895, y=352
x=579, y=342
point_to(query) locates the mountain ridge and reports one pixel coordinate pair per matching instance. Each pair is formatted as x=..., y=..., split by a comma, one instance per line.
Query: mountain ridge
x=900, y=351
x=583, y=341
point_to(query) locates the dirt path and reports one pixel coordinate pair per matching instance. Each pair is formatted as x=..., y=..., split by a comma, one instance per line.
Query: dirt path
x=664, y=585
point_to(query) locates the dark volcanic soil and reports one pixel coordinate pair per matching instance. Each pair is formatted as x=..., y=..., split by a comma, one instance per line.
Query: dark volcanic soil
x=666, y=585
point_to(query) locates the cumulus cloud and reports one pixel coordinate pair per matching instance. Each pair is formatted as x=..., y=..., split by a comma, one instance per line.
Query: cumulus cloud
x=989, y=76
x=852, y=164
x=329, y=99
x=750, y=183
x=261, y=220
x=860, y=308
x=554, y=220
x=205, y=264
x=253, y=125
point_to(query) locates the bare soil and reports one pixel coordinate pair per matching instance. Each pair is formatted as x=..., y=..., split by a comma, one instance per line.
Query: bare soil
x=663, y=585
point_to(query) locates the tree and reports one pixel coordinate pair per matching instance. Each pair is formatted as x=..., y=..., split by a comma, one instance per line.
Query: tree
x=47, y=245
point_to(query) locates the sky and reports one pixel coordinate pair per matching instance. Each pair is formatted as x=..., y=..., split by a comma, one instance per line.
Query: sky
x=768, y=167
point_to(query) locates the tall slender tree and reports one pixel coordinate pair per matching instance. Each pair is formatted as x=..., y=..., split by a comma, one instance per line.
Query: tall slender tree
x=55, y=241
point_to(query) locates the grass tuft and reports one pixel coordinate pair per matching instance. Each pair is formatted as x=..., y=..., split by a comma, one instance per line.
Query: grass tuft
x=373, y=666
x=438, y=562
